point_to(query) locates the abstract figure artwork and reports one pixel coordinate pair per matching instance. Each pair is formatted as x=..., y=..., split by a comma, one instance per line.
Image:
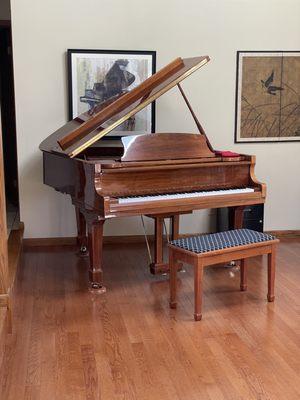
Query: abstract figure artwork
x=267, y=97
x=99, y=77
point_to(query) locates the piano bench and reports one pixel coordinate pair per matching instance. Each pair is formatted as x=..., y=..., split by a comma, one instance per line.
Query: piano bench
x=204, y=250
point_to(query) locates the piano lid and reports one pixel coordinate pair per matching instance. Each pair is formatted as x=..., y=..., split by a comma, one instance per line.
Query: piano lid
x=89, y=127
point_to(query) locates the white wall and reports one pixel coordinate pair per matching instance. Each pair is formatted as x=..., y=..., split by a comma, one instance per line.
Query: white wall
x=43, y=30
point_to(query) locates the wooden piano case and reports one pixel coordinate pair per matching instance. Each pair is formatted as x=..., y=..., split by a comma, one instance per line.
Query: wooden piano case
x=98, y=175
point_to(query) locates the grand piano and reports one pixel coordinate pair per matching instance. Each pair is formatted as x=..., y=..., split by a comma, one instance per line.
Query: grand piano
x=160, y=175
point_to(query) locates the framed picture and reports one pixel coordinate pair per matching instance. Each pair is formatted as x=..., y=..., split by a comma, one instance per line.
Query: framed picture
x=267, y=96
x=99, y=76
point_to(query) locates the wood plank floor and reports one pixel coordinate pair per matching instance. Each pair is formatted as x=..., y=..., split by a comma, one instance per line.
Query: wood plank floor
x=127, y=344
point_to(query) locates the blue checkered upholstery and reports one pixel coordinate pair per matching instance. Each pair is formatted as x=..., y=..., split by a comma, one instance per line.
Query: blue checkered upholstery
x=221, y=240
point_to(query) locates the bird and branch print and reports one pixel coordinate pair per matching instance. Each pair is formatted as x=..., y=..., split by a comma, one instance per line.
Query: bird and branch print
x=268, y=97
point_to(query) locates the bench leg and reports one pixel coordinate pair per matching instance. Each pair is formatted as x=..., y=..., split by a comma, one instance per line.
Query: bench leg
x=173, y=279
x=243, y=269
x=271, y=274
x=198, y=277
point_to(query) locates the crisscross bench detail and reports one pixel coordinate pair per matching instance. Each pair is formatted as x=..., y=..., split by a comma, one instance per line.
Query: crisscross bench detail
x=204, y=250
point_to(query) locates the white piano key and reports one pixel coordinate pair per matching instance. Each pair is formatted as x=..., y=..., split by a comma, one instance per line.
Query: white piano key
x=172, y=196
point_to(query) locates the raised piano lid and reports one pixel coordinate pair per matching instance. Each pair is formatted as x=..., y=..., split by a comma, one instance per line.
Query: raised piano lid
x=88, y=128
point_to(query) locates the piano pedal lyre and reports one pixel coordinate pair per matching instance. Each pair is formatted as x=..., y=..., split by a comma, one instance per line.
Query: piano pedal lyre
x=157, y=265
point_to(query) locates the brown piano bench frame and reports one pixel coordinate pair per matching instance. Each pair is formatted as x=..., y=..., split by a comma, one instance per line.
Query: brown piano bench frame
x=201, y=260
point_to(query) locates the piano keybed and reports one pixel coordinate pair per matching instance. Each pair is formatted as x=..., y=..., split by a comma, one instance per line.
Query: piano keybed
x=184, y=201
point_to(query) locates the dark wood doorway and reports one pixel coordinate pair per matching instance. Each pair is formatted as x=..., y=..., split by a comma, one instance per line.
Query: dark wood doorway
x=8, y=121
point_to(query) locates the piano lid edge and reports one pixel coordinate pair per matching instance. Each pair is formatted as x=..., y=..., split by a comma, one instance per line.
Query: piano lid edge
x=77, y=150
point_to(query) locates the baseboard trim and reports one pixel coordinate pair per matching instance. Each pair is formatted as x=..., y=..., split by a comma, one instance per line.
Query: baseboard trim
x=52, y=241
x=72, y=241
x=285, y=233
x=3, y=330
x=14, y=244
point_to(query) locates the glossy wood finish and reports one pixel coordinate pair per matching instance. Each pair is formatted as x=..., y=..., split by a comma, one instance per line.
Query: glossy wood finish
x=4, y=272
x=14, y=247
x=198, y=284
x=116, y=163
x=3, y=328
x=238, y=216
x=144, y=89
x=151, y=164
x=127, y=344
x=158, y=266
x=95, y=245
x=169, y=179
x=182, y=205
x=271, y=274
x=82, y=239
x=153, y=147
x=3, y=228
x=201, y=260
x=243, y=273
x=95, y=188
x=91, y=135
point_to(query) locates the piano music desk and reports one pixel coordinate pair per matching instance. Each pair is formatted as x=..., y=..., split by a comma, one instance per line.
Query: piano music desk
x=205, y=250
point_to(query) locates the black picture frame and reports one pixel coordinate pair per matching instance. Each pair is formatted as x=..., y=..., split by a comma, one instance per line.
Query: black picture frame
x=149, y=55
x=258, y=53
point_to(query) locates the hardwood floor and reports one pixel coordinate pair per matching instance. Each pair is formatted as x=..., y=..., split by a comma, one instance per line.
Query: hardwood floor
x=127, y=344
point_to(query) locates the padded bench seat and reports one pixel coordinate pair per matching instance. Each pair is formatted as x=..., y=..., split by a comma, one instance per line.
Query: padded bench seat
x=204, y=250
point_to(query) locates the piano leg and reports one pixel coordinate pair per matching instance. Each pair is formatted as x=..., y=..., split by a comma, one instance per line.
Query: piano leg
x=175, y=227
x=238, y=217
x=237, y=222
x=81, y=232
x=95, y=245
x=158, y=266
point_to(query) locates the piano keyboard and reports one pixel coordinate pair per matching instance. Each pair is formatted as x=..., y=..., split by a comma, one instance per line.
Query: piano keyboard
x=185, y=195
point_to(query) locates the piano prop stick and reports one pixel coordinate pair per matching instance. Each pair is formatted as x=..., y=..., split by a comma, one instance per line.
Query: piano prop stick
x=197, y=122
x=161, y=175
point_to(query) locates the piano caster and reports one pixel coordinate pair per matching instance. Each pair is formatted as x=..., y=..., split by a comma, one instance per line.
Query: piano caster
x=179, y=269
x=96, y=287
x=231, y=264
x=159, y=268
x=83, y=251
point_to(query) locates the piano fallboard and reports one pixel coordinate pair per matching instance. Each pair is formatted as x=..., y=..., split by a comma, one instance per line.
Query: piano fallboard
x=172, y=178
